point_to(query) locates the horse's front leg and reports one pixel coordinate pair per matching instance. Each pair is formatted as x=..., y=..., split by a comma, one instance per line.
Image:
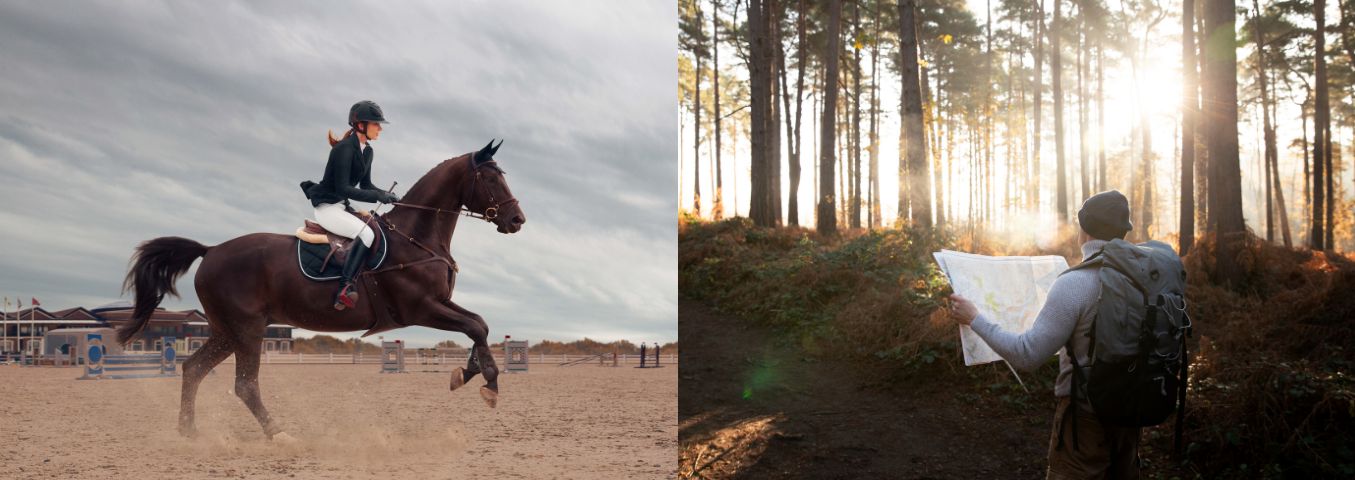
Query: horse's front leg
x=446, y=315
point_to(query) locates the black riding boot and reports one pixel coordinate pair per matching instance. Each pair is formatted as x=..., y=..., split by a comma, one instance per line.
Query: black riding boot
x=348, y=292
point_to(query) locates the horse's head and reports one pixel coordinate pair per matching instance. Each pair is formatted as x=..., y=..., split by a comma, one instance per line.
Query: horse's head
x=489, y=195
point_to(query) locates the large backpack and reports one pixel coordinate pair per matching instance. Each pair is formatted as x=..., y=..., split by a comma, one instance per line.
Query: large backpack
x=1137, y=374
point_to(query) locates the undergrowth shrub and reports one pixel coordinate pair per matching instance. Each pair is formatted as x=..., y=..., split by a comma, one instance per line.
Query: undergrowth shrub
x=1270, y=391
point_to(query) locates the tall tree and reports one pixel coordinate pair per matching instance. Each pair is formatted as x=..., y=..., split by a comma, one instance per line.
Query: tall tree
x=827, y=218
x=1220, y=111
x=1083, y=59
x=1202, y=169
x=1189, y=104
x=854, y=210
x=717, y=209
x=764, y=201
x=915, y=154
x=793, y=137
x=692, y=38
x=696, y=131
x=874, y=209
x=1056, y=65
x=1274, y=189
x=1321, y=120
x=1038, y=86
x=1101, y=116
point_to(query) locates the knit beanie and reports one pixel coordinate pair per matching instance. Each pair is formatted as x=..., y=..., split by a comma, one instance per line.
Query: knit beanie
x=1105, y=215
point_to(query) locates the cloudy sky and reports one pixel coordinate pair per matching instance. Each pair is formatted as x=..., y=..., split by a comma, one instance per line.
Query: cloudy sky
x=121, y=122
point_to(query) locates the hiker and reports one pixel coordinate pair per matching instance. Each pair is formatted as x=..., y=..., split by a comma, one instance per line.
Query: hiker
x=348, y=176
x=1100, y=450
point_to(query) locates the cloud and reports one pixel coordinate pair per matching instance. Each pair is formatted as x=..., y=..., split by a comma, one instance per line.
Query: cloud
x=125, y=122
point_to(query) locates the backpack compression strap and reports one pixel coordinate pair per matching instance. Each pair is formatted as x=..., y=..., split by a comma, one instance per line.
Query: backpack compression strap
x=1093, y=261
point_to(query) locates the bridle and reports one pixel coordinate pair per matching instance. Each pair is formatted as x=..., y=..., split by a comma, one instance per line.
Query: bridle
x=489, y=214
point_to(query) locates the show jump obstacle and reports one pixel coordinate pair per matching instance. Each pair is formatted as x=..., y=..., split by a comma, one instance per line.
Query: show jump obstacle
x=99, y=366
x=654, y=364
x=515, y=355
x=393, y=357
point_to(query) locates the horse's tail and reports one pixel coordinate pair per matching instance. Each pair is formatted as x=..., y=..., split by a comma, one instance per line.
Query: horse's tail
x=156, y=265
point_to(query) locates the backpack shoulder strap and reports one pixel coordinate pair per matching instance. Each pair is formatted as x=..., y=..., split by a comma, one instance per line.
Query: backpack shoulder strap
x=1093, y=261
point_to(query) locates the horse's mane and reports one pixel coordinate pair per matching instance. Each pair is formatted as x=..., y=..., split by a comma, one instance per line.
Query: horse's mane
x=436, y=174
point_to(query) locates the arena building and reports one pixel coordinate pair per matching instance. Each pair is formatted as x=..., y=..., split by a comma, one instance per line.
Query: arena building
x=24, y=330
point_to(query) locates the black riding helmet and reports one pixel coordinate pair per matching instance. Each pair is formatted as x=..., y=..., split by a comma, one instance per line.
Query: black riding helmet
x=365, y=111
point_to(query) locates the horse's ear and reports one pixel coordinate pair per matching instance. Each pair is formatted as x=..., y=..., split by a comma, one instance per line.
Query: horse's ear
x=485, y=153
x=496, y=148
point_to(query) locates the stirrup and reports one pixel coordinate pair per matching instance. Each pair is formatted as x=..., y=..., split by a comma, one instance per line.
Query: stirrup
x=347, y=297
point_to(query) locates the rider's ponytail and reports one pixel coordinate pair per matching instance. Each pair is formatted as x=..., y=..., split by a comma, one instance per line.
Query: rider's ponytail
x=333, y=141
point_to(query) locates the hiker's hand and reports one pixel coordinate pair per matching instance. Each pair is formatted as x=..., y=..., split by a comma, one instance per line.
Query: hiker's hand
x=961, y=310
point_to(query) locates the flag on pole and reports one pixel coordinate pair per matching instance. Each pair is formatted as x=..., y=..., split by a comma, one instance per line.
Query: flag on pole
x=36, y=303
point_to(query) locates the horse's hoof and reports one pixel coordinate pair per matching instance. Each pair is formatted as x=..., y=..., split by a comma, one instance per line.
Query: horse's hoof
x=284, y=439
x=458, y=378
x=491, y=397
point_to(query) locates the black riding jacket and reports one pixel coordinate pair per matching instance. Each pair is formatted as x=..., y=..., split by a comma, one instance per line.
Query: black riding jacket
x=348, y=176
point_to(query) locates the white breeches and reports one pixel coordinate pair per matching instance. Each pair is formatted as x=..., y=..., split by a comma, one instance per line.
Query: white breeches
x=334, y=218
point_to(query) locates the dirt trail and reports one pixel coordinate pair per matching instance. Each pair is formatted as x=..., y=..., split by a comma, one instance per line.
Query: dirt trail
x=753, y=405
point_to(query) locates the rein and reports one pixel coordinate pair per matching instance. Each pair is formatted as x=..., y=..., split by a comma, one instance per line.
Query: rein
x=491, y=212
x=433, y=256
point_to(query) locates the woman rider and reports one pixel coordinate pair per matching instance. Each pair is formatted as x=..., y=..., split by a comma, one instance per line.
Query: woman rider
x=348, y=176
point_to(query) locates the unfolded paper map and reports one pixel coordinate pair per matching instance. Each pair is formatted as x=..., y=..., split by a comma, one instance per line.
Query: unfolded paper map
x=1007, y=290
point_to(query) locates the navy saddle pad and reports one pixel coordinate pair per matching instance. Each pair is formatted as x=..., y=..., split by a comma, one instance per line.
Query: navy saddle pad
x=310, y=256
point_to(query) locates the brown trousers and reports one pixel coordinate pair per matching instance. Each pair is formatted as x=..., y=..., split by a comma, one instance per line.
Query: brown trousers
x=1102, y=451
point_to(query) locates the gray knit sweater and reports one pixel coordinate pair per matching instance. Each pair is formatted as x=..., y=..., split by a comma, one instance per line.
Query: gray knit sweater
x=1067, y=313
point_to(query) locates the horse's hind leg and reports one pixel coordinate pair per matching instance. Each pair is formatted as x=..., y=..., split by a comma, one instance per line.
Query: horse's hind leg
x=247, y=381
x=195, y=369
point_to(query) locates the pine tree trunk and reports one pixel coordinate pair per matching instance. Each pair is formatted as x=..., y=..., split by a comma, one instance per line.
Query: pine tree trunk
x=1268, y=128
x=989, y=119
x=696, y=134
x=855, y=212
x=1321, y=111
x=717, y=210
x=793, y=216
x=1038, y=87
x=1331, y=192
x=874, y=209
x=932, y=122
x=1202, y=175
x=915, y=154
x=1056, y=64
x=1186, y=237
x=1307, y=162
x=773, y=148
x=1220, y=100
x=827, y=221
x=1083, y=57
x=764, y=201
x=1101, y=117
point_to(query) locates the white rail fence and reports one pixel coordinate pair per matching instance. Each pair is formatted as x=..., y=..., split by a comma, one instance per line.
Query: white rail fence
x=413, y=357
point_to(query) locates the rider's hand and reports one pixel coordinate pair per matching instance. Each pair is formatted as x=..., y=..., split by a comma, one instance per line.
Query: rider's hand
x=962, y=311
x=388, y=197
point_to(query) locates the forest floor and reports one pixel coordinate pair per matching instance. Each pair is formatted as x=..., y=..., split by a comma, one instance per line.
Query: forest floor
x=752, y=404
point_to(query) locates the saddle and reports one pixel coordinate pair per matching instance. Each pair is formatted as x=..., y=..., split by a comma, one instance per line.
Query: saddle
x=338, y=245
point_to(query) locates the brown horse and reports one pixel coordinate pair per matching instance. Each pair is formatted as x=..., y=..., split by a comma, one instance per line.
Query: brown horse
x=252, y=281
